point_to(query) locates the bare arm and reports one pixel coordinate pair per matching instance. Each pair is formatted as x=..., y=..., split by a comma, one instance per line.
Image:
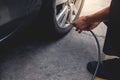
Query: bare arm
x=91, y=21
x=99, y=16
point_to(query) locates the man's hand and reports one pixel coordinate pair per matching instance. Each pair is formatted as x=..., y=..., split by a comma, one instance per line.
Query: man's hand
x=82, y=23
x=91, y=21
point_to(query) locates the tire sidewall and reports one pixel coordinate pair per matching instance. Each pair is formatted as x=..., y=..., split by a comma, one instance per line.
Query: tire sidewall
x=60, y=30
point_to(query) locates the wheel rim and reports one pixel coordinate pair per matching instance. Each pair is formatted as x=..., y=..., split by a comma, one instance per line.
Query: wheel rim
x=66, y=12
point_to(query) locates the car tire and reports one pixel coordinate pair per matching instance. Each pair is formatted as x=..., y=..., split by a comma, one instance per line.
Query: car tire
x=50, y=22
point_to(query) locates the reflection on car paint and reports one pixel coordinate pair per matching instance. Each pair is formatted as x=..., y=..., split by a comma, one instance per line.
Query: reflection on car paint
x=4, y=14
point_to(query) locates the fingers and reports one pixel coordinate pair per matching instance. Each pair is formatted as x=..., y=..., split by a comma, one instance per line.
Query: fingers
x=79, y=31
x=73, y=24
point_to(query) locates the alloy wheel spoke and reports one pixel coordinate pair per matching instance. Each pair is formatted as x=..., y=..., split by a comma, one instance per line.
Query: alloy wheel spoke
x=67, y=13
x=61, y=15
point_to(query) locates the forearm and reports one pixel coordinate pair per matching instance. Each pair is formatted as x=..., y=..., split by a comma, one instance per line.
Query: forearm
x=99, y=16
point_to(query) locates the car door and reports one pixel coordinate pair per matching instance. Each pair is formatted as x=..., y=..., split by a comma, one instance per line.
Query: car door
x=13, y=13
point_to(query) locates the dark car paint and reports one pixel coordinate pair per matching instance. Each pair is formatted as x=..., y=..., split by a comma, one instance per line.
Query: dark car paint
x=18, y=8
x=17, y=13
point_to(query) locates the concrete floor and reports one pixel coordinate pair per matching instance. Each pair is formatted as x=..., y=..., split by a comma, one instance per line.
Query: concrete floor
x=63, y=59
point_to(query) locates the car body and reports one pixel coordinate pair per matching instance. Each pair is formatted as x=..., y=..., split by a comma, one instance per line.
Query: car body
x=15, y=14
